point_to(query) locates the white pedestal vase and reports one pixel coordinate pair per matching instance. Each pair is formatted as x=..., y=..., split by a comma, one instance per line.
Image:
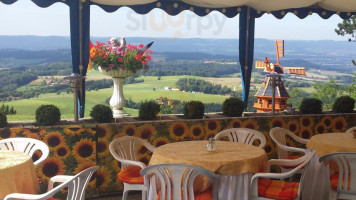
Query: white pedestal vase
x=117, y=101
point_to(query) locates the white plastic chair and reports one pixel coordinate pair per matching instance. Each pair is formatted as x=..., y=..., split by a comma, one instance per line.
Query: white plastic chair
x=278, y=135
x=27, y=146
x=75, y=184
x=346, y=185
x=351, y=130
x=242, y=135
x=175, y=181
x=124, y=149
x=303, y=161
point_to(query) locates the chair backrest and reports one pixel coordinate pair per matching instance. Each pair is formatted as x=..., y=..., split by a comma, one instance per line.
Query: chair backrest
x=305, y=162
x=174, y=180
x=27, y=146
x=351, y=130
x=346, y=162
x=76, y=188
x=242, y=135
x=278, y=135
x=126, y=148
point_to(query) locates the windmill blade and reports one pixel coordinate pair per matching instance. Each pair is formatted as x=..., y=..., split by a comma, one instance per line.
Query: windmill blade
x=260, y=64
x=295, y=70
x=279, y=49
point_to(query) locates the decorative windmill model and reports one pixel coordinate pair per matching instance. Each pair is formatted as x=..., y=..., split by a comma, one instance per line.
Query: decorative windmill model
x=274, y=100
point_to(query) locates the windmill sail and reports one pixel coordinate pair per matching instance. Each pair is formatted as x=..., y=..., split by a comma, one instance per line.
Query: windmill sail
x=295, y=70
x=279, y=49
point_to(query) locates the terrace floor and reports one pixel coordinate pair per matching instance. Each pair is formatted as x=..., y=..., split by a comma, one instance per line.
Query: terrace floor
x=133, y=195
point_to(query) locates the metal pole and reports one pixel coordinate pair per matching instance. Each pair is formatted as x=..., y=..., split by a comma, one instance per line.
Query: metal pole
x=75, y=91
x=273, y=93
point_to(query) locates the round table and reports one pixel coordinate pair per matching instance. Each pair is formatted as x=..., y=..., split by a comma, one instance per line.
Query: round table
x=235, y=162
x=332, y=143
x=17, y=173
x=317, y=176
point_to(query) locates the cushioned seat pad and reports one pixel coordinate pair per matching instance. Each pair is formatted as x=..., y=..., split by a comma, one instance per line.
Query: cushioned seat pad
x=131, y=175
x=276, y=189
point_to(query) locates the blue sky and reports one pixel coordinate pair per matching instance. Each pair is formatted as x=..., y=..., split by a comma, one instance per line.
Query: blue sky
x=25, y=18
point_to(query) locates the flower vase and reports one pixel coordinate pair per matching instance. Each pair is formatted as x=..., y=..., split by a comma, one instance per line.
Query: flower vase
x=117, y=101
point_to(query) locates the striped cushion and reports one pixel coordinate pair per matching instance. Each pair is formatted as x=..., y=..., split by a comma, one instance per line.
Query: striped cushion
x=276, y=189
x=131, y=175
x=205, y=195
x=291, y=158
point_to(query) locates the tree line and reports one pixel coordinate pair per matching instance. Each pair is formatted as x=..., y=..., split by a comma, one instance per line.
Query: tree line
x=196, y=85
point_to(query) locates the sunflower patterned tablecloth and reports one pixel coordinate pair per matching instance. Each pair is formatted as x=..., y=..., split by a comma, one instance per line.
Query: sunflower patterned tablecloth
x=17, y=174
x=332, y=143
x=230, y=158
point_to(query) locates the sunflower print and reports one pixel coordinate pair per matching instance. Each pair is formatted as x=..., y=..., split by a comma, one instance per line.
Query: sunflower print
x=196, y=131
x=102, y=178
x=16, y=130
x=84, y=150
x=83, y=166
x=306, y=121
x=306, y=133
x=269, y=148
x=91, y=131
x=62, y=151
x=290, y=142
x=144, y=158
x=52, y=166
x=320, y=128
x=235, y=123
x=327, y=120
x=102, y=131
x=293, y=126
x=36, y=155
x=6, y=133
x=265, y=133
x=34, y=136
x=146, y=132
x=38, y=131
x=160, y=141
x=116, y=166
x=74, y=130
x=250, y=123
x=212, y=126
x=53, y=139
x=102, y=147
x=277, y=122
x=129, y=130
x=141, y=150
x=338, y=124
x=178, y=131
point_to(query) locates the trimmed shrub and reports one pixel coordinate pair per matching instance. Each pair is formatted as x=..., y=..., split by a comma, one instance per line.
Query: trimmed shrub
x=233, y=107
x=47, y=115
x=101, y=113
x=194, y=110
x=344, y=104
x=311, y=106
x=148, y=110
x=3, y=120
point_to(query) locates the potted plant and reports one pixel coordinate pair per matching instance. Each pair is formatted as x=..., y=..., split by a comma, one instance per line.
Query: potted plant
x=311, y=106
x=233, y=107
x=101, y=113
x=148, y=110
x=344, y=104
x=119, y=61
x=194, y=110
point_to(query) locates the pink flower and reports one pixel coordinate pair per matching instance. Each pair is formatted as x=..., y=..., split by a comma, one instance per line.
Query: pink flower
x=123, y=67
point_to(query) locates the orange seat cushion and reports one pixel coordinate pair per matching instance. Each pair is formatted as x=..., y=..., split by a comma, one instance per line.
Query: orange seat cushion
x=276, y=189
x=291, y=158
x=131, y=175
x=204, y=195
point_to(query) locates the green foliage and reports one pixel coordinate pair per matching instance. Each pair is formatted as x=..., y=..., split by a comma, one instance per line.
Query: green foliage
x=233, y=107
x=297, y=96
x=7, y=110
x=101, y=113
x=194, y=110
x=148, y=110
x=327, y=92
x=311, y=106
x=47, y=115
x=344, y=104
x=3, y=120
x=196, y=85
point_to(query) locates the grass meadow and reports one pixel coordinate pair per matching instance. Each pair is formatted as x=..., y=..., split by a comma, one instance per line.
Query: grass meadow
x=151, y=88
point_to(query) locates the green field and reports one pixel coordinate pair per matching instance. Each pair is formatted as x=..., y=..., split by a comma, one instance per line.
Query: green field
x=26, y=108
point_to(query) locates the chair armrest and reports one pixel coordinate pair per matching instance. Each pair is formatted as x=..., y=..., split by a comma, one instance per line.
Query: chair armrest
x=131, y=162
x=292, y=149
x=285, y=162
x=58, y=179
x=15, y=196
x=301, y=140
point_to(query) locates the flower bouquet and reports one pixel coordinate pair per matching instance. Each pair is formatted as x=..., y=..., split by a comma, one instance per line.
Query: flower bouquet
x=119, y=61
x=116, y=55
